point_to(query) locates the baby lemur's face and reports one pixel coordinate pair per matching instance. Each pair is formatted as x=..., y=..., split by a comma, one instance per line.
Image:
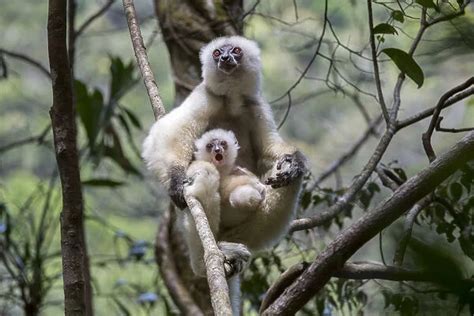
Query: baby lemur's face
x=219, y=147
x=227, y=57
x=217, y=152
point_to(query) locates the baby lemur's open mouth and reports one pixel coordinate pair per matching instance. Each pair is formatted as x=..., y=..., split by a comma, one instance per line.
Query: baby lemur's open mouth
x=218, y=157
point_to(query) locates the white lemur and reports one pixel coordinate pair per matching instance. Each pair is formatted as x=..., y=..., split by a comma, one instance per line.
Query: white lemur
x=230, y=97
x=213, y=178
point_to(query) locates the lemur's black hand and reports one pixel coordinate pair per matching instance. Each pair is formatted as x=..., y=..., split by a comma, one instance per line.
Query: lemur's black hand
x=290, y=167
x=176, y=189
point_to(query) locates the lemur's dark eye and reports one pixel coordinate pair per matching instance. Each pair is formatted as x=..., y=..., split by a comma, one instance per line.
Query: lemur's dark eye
x=224, y=144
x=216, y=53
x=237, y=50
x=209, y=146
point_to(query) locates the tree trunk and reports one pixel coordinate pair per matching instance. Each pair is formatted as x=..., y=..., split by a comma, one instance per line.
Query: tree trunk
x=186, y=26
x=64, y=129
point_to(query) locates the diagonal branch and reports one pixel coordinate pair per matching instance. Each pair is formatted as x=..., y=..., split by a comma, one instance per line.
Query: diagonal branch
x=426, y=137
x=169, y=274
x=213, y=257
x=351, y=152
x=32, y=139
x=142, y=59
x=93, y=17
x=27, y=60
x=351, y=239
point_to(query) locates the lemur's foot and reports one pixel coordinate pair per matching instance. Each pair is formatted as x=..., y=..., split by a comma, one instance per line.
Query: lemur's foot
x=236, y=257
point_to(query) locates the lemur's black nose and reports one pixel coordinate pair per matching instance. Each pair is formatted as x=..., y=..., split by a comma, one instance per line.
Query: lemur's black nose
x=217, y=150
x=224, y=57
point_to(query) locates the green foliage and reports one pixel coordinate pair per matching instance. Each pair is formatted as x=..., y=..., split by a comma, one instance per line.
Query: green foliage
x=398, y=15
x=406, y=64
x=101, y=119
x=384, y=28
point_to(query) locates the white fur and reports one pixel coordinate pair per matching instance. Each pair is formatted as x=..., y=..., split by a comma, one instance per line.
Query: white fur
x=230, y=154
x=231, y=102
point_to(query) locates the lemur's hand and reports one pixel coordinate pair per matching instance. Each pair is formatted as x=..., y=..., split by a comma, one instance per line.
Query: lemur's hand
x=176, y=190
x=290, y=167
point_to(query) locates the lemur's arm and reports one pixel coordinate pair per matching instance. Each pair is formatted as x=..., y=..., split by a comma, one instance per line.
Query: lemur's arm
x=289, y=163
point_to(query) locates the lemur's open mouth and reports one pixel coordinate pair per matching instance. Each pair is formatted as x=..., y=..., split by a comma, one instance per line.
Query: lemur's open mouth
x=218, y=157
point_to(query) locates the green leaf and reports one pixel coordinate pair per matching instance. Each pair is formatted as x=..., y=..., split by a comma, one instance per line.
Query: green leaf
x=398, y=16
x=406, y=64
x=122, y=78
x=427, y=3
x=103, y=182
x=133, y=118
x=384, y=28
x=455, y=190
x=89, y=107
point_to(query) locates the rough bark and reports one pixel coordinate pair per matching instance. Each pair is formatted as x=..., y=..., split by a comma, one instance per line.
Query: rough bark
x=64, y=130
x=355, y=236
x=165, y=260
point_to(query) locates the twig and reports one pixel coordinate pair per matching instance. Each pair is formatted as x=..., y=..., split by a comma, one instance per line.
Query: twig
x=164, y=256
x=28, y=60
x=93, y=17
x=316, y=52
x=142, y=59
x=351, y=239
x=408, y=228
x=347, y=155
x=438, y=128
x=426, y=137
x=33, y=139
x=427, y=113
x=378, y=83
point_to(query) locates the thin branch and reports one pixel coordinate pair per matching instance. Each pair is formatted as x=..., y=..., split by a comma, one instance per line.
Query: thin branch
x=27, y=60
x=378, y=83
x=438, y=128
x=408, y=228
x=39, y=139
x=142, y=59
x=213, y=259
x=316, y=52
x=426, y=137
x=349, y=195
x=351, y=152
x=427, y=113
x=164, y=257
x=351, y=239
x=93, y=17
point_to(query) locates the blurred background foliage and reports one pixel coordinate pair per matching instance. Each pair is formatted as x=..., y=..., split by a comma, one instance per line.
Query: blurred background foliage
x=123, y=202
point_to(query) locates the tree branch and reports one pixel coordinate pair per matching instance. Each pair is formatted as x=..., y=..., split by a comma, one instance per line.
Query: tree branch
x=352, y=151
x=63, y=121
x=355, y=236
x=142, y=59
x=27, y=60
x=373, y=49
x=93, y=17
x=427, y=113
x=426, y=137
x=213, y=257
x=32, y=139
x=169, y=274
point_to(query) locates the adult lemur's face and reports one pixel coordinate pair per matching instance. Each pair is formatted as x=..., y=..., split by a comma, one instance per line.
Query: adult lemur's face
x=227, y=58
